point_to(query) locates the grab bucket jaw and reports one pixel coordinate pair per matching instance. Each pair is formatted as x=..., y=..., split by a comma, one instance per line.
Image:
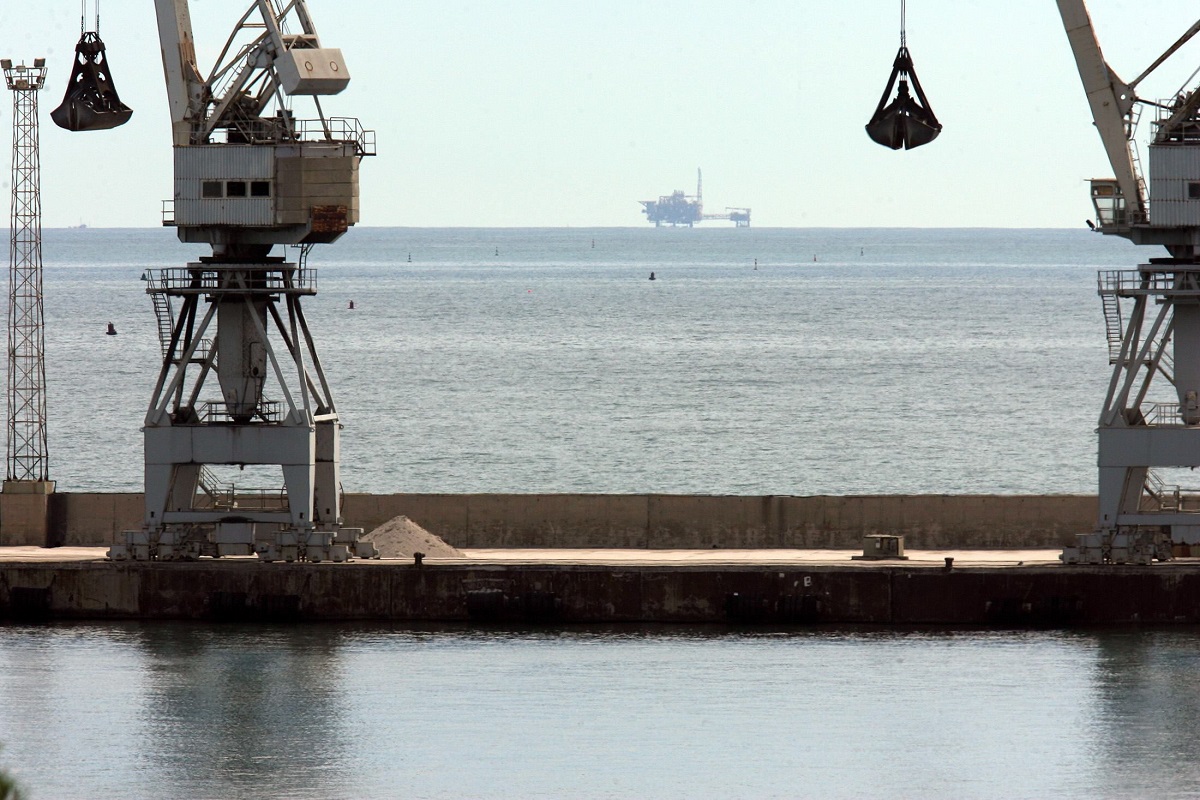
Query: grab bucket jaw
x=907, y=121
x=91, y=102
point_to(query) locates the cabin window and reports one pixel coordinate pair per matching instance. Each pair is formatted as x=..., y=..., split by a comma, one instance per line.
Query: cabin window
x=1193, y=190
x=260, y=188
x=212, y=189
x=235, y=188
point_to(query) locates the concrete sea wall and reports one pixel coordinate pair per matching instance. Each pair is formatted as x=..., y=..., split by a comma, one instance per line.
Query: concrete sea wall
x=520, y=594
x=644, y=520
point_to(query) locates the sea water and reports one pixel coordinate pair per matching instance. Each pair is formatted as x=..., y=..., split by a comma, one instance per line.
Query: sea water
x=759, y=361
x=171, y=710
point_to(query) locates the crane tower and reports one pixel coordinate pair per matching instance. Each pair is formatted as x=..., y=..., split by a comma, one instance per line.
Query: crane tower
x=1150, y=422
x=28, y=457
x=240, y=382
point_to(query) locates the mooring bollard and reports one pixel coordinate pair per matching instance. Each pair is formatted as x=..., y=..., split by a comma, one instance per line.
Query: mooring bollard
x=418, y=558
x=949, y=563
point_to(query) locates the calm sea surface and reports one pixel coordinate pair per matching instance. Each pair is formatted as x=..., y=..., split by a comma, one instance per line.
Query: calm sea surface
x=205, y=711
x=545, y=360
x=849, y=361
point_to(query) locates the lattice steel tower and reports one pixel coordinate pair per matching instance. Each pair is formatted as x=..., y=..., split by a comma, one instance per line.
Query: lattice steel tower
x=27, y=450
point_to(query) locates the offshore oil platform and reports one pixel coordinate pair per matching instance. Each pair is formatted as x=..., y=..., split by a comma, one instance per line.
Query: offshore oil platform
x=680, y=209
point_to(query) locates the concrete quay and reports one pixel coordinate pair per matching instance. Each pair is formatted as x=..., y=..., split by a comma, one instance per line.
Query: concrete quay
x=768, y=587
x=637, y=521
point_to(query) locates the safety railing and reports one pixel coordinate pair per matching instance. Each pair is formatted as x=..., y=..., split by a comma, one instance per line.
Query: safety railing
x=1179, y=283
x=235, y=278
x=230, y=497
x=337, y=129
x=1164, y=415
x=1161, y=496
x=218, y=411
x=251, y=499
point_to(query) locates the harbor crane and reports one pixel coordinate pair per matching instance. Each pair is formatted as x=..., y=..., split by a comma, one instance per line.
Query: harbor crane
x=1150, y=421
x=250, y=175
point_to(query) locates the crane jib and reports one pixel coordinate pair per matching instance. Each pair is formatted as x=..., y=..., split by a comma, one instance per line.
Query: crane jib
x=91, y=102
x=907, y=121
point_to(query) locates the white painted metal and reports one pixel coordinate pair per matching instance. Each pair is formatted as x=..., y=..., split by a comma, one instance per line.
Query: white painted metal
x=247, y=179
x=309, y=71
x=1155, y=346
x=1175, y=185
x=1111, y=99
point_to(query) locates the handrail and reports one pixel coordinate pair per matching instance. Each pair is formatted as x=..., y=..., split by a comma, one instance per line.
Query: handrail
x=1179, y=283
x=218, y=411
x=209, y=279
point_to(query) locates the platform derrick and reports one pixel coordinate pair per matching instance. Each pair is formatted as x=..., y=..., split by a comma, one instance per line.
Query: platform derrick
x=678, y=208
x=250, y=175
x=1150, y=422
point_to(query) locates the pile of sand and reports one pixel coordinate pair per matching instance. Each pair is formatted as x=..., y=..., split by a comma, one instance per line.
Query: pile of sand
x=400, y=537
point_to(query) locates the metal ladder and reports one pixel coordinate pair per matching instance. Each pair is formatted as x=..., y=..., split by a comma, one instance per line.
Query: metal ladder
x=166, y=319
x=1167, y=498
x=220, y=495
x=1113, y=325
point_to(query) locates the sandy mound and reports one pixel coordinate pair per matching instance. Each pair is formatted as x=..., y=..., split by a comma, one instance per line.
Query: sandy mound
x=400, y=537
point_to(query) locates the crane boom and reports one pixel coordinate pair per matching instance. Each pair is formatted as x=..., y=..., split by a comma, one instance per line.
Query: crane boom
x=185, y=87
x=1111, y=101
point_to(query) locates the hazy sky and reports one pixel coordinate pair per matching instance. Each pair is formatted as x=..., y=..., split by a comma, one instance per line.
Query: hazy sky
x=565, y=113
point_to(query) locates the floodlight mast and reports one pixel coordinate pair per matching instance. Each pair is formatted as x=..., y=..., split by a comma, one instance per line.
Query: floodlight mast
x=1151, y=415
x=28, y=448
x=249, y=176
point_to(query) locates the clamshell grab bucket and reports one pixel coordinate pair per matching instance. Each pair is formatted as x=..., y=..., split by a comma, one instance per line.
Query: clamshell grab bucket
x=91, y=102
x=907, y=121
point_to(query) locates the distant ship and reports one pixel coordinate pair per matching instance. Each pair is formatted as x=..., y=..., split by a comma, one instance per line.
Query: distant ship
x=680, y=209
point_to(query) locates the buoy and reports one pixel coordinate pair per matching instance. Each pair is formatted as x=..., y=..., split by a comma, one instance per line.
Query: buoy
x=756, y=263
x=651, y=276
x=351, y=305
x=410, y=258
x=814, y=258
x=112, y=330
x=497, y=251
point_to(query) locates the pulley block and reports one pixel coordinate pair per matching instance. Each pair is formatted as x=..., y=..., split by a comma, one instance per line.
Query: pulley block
x=91, y=102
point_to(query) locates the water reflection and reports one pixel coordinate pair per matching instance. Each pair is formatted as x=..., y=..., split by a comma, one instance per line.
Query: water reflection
x=236, y=709
x=194, y=710
x=1149, y=716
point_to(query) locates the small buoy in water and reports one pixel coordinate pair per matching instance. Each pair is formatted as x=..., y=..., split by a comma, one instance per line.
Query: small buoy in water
x=756, y=263
x=651, y=276
x=112, y=330
x=351, y=305
x=497, y=251
x=814, y=258
x=593, y=244
x=410, y=258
